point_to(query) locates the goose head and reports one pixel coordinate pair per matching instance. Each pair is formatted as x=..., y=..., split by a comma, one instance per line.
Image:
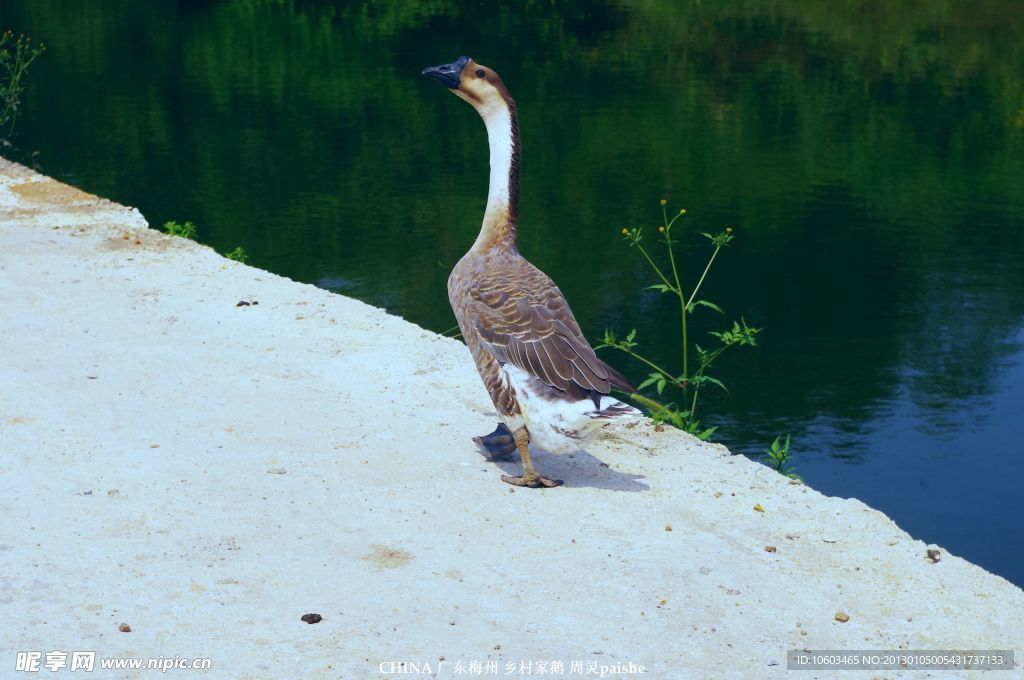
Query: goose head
x=481, y=87
x=473, y=82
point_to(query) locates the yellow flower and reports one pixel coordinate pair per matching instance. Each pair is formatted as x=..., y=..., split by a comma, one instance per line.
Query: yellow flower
x=682, y=211
x=664, y=201
x=625, y=231
x=728, y=230
x=661, y=229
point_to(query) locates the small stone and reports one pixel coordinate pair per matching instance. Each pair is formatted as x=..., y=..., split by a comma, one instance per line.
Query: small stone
x=842, y=617
x=803, y=632
x=312, y=618
x=124, y=628
x=758, y=508
x=933, y=556
x=770, y=548
x=659, y=428
x=668, y=527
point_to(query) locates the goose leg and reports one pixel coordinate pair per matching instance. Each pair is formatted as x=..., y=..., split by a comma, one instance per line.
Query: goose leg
x=530, y=477
x=500, y=444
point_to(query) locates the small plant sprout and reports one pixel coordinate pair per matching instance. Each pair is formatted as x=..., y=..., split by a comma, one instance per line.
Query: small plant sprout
x=187, y=230
x=777, y=457
x=693, y=376
x=238, y=255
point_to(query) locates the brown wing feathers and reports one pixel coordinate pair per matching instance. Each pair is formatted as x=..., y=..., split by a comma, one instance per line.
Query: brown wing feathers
x=529, y=324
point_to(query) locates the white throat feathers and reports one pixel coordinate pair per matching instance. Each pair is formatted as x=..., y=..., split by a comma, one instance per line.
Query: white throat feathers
x=502, y=211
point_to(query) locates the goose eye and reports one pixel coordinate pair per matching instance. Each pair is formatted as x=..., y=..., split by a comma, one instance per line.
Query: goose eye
x=479, y=73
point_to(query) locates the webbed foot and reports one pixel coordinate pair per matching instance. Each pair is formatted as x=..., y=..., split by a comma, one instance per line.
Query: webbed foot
x=499, y=445
x=533, y=481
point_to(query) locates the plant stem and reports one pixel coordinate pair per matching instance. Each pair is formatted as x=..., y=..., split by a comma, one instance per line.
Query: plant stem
x=705, y=364
x=693, y=295
x=679, y=292
x=647, y=401
x=657, y=368
x=655, y=267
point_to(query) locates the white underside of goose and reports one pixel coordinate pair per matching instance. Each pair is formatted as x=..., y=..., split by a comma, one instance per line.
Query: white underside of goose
x=558, y=425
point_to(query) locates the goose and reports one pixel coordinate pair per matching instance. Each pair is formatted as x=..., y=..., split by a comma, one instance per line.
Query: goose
x=546, y=382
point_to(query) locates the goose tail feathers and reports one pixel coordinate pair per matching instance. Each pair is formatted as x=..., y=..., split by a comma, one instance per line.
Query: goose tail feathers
x=619, y=380
x=615, y=409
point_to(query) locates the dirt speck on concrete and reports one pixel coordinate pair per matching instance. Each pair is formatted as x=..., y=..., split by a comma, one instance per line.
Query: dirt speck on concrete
x=388, y=558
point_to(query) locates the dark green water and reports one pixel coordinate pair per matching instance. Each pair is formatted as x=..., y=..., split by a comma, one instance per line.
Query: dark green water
x=869, y=155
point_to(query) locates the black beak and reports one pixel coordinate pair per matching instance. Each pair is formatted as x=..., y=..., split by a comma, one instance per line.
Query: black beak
x=449, y=75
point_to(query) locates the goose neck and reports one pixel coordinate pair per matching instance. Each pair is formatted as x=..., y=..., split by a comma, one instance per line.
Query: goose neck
x=502, y=211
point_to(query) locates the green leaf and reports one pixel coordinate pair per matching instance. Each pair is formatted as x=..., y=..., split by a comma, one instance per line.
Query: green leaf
x=662, y=287
x=651, y=379
x=702, y=379
x=778, y=457
x=706, y=434
x=705, y=303
x=187, y=230
x=609, y=340
x=238, y=255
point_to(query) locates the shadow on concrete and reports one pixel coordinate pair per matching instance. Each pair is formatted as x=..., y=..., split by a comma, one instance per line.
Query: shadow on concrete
x=580, y=469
